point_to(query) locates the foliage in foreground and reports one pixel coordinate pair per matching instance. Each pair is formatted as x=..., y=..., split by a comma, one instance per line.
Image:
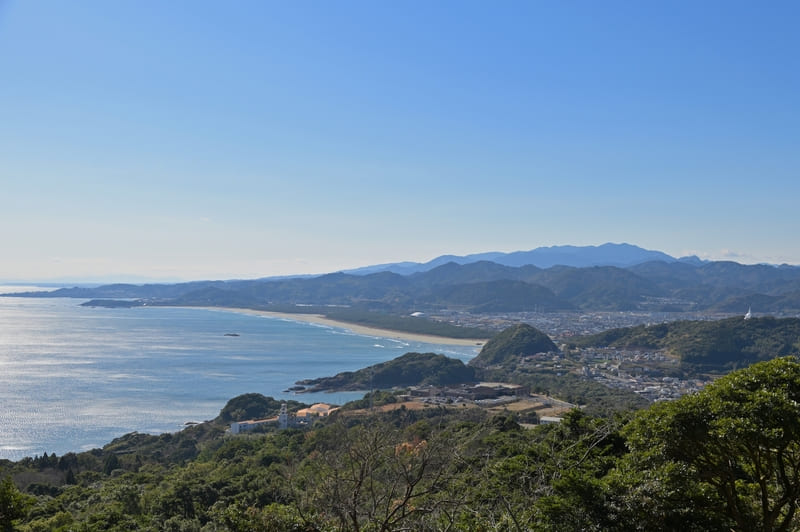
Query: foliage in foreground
x=727, y=458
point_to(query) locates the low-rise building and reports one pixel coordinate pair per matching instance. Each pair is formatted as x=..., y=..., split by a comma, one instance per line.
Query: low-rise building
x=284, y=419
x=547, y=420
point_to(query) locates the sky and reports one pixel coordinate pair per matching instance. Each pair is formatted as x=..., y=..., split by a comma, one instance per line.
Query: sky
x=214, y=140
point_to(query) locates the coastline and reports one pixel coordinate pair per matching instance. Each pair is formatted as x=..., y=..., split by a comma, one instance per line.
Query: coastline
x=319, y=319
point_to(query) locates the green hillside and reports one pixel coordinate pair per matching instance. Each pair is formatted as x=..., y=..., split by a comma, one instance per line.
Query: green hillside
x=599, y=287
x=499, y=296
x=411, y=369
x=513, y=342
x=722, y=344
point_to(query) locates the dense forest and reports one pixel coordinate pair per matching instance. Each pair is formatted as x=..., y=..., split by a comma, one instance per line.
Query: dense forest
x=726, y=458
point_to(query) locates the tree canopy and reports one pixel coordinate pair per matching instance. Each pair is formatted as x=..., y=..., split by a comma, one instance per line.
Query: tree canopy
x=737, y=441
x=724, y=459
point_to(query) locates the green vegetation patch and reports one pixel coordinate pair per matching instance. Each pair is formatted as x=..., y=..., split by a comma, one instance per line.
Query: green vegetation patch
x=725, y=458
x=411, y=369
x=710, y=345
x=254, y=406
x=514, y=342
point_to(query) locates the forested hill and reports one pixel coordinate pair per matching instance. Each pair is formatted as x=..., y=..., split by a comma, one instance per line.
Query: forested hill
x=407, y=370
x=723, y=344
x=724, y=458
x=482, y=287
x=513, y=343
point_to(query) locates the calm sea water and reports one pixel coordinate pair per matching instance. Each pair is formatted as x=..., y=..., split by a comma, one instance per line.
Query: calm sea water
x=73, y=378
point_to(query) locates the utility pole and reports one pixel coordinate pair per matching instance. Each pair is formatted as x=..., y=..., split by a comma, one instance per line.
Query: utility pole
x=371, y=390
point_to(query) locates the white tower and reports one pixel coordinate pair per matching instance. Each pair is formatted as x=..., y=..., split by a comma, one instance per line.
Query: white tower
x=283, y=417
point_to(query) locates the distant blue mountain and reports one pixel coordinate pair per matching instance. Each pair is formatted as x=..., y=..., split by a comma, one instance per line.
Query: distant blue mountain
x=610, y=277
x=619, y=255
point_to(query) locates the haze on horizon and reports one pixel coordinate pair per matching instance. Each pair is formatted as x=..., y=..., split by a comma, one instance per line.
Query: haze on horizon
x=199, y=140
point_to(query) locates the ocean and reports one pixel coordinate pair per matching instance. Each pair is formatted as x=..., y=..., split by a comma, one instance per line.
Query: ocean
x=73, y=378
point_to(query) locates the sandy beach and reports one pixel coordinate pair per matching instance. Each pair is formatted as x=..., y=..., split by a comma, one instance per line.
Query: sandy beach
x=358, y=329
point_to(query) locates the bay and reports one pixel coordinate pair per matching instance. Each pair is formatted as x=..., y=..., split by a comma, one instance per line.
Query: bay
x=73, y=378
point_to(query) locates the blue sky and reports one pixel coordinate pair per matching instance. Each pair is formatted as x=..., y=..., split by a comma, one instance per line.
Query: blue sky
x=192, y=139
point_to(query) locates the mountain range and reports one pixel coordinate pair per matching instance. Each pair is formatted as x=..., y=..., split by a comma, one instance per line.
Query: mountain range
x=619, y=255
x=638, y=279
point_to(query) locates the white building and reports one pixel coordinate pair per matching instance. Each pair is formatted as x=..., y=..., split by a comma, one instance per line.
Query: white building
x=546, y=420
x=284, y=420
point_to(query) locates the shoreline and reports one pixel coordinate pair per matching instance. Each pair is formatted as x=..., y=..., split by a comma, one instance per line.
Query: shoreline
x=363, y=330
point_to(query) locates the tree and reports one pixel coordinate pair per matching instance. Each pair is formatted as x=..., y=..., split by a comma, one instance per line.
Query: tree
x=13, y=504
x=111, y=463
x=375, y=477
x=737, y=442
x=545, y=478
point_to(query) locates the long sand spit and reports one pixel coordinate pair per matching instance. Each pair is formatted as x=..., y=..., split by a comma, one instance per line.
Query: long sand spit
x=357, y=329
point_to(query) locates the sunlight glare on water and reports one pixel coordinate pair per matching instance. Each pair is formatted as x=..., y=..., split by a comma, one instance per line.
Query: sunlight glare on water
x=73, y=378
